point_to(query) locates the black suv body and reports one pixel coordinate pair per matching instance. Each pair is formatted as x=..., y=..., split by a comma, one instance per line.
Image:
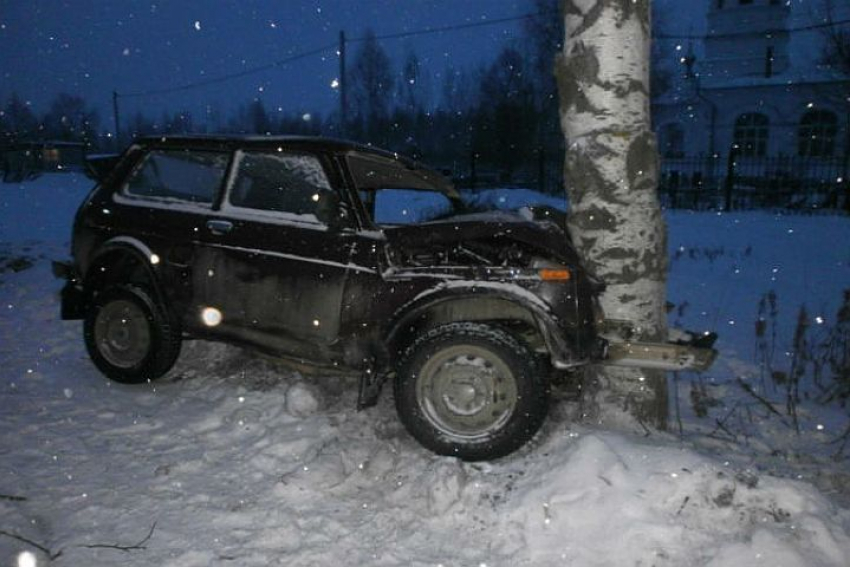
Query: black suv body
x=334, y=254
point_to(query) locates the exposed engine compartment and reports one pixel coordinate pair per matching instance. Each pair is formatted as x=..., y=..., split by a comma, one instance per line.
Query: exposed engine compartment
x=496, y=253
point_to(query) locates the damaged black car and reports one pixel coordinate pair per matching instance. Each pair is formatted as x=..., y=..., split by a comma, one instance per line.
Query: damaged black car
x=333, y=254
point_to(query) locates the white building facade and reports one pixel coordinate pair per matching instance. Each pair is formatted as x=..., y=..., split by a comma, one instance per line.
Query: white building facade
x=760, y=88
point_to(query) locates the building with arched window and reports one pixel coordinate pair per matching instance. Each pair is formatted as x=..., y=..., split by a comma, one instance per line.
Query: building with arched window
x=758, y=84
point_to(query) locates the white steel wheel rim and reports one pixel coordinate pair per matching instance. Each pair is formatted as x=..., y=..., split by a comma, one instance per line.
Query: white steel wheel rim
x=122, y=333
x=467, y=392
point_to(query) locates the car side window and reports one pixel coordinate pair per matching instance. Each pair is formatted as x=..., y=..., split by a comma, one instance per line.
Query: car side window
x=279, y=182
x=193, y=176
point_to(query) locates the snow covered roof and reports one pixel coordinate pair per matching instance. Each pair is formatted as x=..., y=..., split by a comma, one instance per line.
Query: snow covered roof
x=257, y=140
x=304, y=143
x=804, y=53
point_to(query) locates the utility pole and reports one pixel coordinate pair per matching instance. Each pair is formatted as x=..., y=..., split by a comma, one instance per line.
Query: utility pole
x=117, y=122
x=343, y=94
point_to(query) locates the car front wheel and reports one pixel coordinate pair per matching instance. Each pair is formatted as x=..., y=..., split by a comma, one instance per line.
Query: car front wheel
x=129, y=337
x=471, y=390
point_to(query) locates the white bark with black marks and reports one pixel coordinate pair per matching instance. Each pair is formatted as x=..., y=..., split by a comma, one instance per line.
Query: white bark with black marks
x=611, y=173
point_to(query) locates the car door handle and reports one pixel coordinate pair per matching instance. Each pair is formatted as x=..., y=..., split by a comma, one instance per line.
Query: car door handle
x=219, y=227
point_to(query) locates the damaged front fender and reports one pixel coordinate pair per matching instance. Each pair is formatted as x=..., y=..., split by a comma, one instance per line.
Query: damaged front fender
x=475, y=300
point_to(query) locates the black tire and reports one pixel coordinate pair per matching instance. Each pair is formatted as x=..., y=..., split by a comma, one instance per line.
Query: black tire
x=471, y=390
x=129, y=337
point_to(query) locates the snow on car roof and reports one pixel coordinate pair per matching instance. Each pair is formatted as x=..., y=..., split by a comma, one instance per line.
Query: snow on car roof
x=305, y=142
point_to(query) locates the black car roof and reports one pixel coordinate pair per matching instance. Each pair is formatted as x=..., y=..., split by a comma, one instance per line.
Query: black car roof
x=228, y=142
x=307, y=143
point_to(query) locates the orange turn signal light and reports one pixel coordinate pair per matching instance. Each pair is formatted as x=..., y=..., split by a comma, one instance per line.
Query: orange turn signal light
x=554, y=274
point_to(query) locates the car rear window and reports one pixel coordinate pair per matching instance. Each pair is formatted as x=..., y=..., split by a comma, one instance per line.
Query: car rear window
x=192, y=176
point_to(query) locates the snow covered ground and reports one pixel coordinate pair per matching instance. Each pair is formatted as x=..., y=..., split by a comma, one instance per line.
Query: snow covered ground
x=232, y=459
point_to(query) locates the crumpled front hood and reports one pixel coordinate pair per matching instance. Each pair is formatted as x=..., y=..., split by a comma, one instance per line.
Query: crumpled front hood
x=498, y=229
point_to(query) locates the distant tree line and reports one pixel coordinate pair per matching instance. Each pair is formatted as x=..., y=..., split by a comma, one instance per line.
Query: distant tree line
x=491, y=121
x=497, y=122
x=68, y=119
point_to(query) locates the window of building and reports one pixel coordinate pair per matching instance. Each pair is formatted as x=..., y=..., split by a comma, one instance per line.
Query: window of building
x=179, y=176
x=672, y=141
x=816, y=135
x=751, y=132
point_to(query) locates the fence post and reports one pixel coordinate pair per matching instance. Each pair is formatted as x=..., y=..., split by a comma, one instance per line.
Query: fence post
x=729, y=183
x=845, y=169
x=673, y=188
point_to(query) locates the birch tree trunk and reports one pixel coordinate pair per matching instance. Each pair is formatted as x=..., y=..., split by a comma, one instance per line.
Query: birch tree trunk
x=611, y=172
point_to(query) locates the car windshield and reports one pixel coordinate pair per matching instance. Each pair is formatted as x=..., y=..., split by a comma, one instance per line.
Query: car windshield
x=408, y=206
x=399, y=193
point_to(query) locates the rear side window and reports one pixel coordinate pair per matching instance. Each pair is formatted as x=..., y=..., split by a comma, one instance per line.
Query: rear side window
x=190, y=176
x=279, y=182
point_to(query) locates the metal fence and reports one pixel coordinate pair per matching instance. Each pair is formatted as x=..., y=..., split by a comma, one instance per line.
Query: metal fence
x=718, y=182
x=731, y=182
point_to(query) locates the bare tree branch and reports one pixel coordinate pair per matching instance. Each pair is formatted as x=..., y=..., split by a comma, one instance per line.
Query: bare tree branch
x=11, y=498
x=38, y=546
x=140, y=545
x=763, y=401
x=843, y=438
x=836, y=51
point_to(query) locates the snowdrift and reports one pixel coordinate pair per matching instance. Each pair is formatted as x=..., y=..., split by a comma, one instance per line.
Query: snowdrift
x=233, y=459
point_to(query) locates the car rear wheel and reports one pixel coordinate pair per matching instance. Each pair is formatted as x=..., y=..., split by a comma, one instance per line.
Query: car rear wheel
x=129, y=337
x=471, y=390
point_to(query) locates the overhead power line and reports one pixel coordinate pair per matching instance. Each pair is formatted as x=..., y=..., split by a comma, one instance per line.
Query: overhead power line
x=455, y=27
x=318, y=50
x=224, y=78
x=810, y=27
x=428, y=31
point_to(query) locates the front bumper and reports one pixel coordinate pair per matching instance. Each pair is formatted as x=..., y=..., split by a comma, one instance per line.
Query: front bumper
x=684, y=350
x=660, y=356
x=72, y=297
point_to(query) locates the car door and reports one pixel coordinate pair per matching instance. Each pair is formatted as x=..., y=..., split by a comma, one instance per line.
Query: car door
x=162, y=207
x=273, y=273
